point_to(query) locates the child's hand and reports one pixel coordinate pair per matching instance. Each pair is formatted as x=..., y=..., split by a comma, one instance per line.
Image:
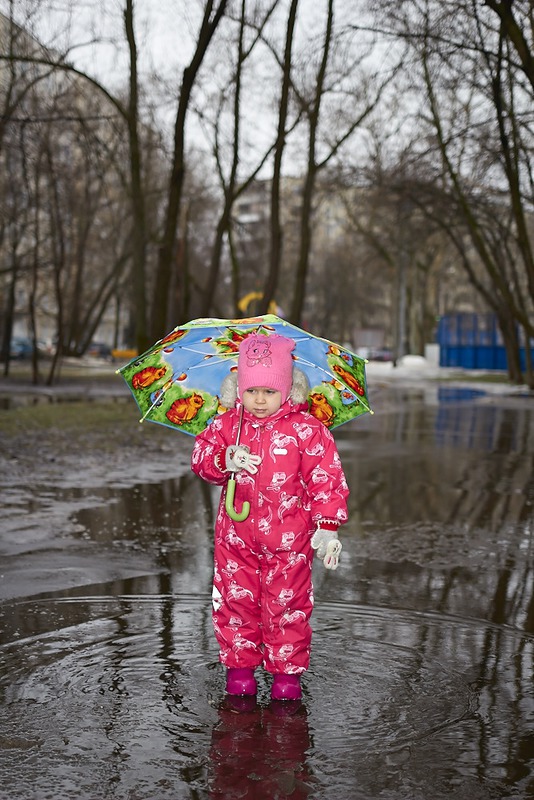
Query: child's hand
x=328, y=547
x=239, y=457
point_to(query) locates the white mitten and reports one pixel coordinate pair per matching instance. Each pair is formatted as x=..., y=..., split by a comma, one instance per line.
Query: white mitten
x=239, y=457
x=328, y=547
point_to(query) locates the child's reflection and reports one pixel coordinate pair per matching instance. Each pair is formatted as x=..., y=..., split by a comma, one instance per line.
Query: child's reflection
x=259, y=752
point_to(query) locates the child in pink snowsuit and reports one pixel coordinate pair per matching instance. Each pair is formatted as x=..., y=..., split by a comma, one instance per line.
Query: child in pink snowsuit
x=288, y=468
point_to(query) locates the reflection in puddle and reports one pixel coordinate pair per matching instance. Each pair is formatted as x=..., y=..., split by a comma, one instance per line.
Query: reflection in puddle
x=131, y=683
x=455, y=394
x=420, y=686
x=260, y=751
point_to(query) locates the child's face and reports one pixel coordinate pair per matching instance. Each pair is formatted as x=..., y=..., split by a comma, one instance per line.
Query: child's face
x=261, y=401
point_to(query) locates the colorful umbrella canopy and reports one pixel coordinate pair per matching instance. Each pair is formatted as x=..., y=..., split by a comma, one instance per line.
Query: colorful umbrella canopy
x=177, y=381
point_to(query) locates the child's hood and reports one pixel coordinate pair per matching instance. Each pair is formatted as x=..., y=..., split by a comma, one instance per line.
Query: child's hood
x=298, y=395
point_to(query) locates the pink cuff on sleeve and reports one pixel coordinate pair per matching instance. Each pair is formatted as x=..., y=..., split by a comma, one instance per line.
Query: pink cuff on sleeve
x=218, y=460
x=328, y=525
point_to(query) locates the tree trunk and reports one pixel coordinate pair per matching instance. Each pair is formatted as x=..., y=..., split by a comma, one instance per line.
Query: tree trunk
x=160, y=322
x=9, y=312
x=229, y=193
x=271, y=282
x=513, y=30
x=309, y=182
x=137, y=196
x=508, y=328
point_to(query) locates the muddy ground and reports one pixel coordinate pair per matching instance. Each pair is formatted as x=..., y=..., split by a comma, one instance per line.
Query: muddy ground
x=61, y=450
x=79, y=444
x=421, y=678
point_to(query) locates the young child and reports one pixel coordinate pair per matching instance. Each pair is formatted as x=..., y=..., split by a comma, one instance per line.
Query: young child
x=288, y=468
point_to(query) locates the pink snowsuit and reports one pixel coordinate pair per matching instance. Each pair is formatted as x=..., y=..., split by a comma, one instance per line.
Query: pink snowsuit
x=262, y=588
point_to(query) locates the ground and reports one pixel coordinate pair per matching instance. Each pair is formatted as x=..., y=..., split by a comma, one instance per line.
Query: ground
x=87, y=419
x=90, y=418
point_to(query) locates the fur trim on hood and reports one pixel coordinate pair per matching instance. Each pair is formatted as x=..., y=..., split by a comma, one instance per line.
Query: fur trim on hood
x=299, y=389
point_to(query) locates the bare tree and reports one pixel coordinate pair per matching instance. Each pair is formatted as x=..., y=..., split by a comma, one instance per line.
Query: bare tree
x=475, y=68
x=514, y=29
x=504, y=291
x=234, y=183
x=139, y=233
x=364, y=100
x=271, y=281
x=17, y=87
x=44, y=63
x=160, y=319
x=129, y=112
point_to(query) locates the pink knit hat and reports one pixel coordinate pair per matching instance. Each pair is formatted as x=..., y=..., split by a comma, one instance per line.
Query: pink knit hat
x=265, y=361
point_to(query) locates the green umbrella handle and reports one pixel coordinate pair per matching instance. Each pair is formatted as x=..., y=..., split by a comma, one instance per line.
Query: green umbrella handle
x=238, y=516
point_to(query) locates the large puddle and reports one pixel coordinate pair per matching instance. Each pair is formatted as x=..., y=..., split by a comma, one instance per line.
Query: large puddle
x=420, y=686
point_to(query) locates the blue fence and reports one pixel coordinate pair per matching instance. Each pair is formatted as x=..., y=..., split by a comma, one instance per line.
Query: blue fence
x=472, y=341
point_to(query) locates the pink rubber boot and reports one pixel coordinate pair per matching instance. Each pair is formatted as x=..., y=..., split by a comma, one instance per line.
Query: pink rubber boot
x=240, y=680
x=286, y=687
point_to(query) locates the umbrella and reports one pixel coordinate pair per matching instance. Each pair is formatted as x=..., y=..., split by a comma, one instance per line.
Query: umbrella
x=177, y=381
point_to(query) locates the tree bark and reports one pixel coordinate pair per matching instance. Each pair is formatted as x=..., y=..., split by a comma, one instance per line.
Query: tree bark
x=136, y=188
x=160, y=322
x=309, y=181
x=229, y=190
x=513, y=31
x=271, y=282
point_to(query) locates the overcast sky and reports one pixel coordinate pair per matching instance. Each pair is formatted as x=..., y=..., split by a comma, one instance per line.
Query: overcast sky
x=165, y=33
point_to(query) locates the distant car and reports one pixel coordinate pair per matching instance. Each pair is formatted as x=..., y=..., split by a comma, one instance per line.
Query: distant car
x=99, y=350
x=380, y=354
x=375, y=353
x=21, y=347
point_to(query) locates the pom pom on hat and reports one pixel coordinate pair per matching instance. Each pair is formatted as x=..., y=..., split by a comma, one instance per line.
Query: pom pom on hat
x=265, y=361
